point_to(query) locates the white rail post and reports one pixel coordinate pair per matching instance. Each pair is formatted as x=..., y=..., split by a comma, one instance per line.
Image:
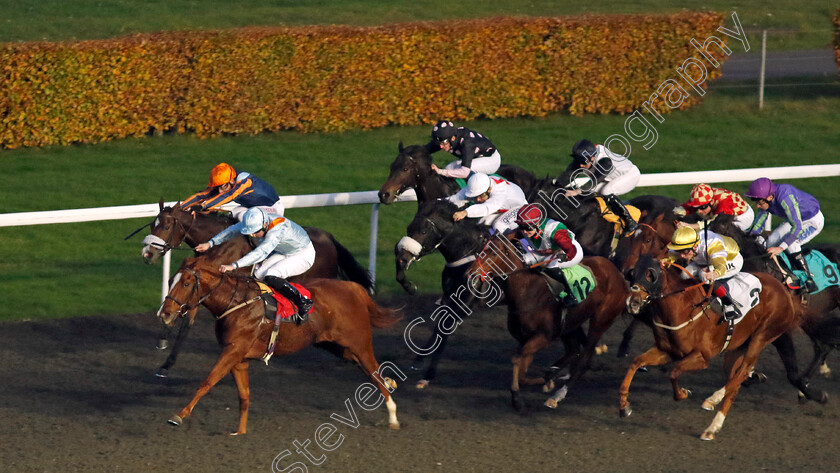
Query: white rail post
x=167, y=260
x=374, y=231
x=761, y=74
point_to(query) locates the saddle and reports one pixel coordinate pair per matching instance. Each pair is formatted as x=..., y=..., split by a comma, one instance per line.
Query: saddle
x=281, y=310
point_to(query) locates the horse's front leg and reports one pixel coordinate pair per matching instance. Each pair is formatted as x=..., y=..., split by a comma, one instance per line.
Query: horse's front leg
x=240, y=375
x=652, y=357
x=230, y=357
x=521, y=362
x=694, y=361
x=183, y=330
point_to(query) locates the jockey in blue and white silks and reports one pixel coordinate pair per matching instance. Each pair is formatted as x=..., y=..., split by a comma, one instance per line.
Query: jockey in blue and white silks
x=285, y=250
x=804, y=220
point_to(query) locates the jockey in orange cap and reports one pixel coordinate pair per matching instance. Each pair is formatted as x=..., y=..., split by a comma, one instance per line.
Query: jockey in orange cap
x=709, y=202
x=229, y=185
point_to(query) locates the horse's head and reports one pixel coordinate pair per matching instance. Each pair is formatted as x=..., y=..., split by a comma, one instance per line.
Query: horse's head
x=410, y=168
x=168, y=230
x=650, y=239
x=646, y=279
x=193, y=283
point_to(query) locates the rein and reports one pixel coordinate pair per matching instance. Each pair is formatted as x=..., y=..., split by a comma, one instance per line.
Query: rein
x=655, y=232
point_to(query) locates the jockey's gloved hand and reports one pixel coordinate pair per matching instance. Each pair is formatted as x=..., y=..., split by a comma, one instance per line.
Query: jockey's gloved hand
x=761, y=241
x=530, y=259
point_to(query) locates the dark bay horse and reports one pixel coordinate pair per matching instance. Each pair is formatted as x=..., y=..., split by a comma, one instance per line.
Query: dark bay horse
x=174, y=225
x=536, y=318
x=687, y=332
x=433, y=229
x=340, y=323
x=582, y=214
x=412, y=168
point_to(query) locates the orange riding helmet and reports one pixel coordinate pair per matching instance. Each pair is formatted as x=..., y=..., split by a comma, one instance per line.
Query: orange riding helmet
x=221, y=174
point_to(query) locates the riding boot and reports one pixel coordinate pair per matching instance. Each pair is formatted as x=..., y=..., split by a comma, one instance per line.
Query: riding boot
x=619, y=209
x=810, y=285
x=557, y=274
x=730, y=309
x=285, y=289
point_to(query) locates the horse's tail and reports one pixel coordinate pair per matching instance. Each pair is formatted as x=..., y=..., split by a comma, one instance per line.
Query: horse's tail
x=350, y=268
x=383, y=317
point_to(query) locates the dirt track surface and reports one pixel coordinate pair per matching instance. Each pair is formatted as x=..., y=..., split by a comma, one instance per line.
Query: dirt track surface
x=80, y=395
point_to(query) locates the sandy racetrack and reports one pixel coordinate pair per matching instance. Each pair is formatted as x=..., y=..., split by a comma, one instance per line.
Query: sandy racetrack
x=79, y=395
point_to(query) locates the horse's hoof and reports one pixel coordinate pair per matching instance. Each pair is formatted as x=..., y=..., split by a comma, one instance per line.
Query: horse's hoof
x=548, y=387
x=516, y=401
x=823, y=398
x=601, y=349
x=643, y=369
x=176, y=420
x=395, y=426
x=625, y=412
x=161, y=373
x=801, y=398
x=707, y=405
x=237, y=433
x=422, y=384
x=162, y=344
x=825, y=371
x=551, y=403
x=707, y=436
x=390, y=383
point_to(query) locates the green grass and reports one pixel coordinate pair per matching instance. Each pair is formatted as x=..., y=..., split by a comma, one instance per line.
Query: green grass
x=796, y=25
x=87, y=268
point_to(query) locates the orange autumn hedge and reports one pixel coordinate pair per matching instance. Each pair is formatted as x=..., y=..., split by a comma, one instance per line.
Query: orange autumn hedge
x=336, y=78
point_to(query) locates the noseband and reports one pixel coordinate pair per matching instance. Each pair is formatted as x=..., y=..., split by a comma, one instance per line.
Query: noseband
x=185, y=307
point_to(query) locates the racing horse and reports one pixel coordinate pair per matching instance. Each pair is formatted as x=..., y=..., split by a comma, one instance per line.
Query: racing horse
x=340, y=322
x=412, y=168
x=536, y=317
x=174, y=225
x=433, y=229
x=820, y=325
x=687, y=331
x=582, y=214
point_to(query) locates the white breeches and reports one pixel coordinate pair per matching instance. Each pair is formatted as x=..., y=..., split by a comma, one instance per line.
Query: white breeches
x=286, y=266
x=621, y=184
x=565, y=264
x=277, y=208
x=810, y=228
x=745, y=220
x=487, y=165
x=501, y=222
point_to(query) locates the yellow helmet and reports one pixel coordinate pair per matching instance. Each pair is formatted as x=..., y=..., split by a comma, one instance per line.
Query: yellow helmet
x=683, y=238
x=221, y=174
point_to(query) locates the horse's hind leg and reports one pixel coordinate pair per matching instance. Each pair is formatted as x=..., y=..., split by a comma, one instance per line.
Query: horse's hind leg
x=624, y=347
x=183, y=330
x=367, y=362
x=240, y=375
x=787, y=352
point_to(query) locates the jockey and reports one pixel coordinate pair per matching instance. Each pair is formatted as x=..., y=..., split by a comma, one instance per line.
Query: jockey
x=707, y=249
x=494, y=201
x=247, y=190
x=285, y=250
x=804, y=220
x=474, y=151
x=613, y=175
x=553, y=242
x=709, y=202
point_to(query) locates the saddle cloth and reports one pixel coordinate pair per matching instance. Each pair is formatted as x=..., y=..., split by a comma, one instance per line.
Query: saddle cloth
x=744, y=289
x=609, y=216
x=277, y=307
x=823, y=269
x=580, y=280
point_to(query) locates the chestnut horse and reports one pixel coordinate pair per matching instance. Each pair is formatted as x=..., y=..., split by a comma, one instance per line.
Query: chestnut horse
x=820, y=325
x=412, y=168
x=687, y=331
x=340, y=322
x=174, y=225
x=536, y=318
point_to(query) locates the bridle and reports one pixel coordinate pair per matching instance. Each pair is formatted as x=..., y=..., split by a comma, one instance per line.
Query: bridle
x=651, y=297
x=167, y=244
x=185, y=307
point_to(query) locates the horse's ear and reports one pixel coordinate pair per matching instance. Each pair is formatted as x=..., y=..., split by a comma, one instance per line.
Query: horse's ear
x=160, y=204
x=177, y=205
x=659, y=218
x=401, y=147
